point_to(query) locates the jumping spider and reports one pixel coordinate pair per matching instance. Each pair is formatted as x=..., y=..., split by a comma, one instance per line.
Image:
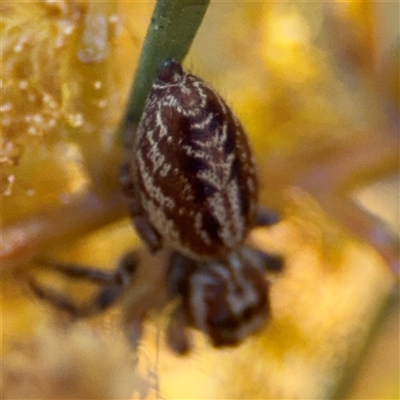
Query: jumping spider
x=190, y=183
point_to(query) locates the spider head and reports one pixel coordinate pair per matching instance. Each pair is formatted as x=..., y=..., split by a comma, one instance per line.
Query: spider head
x=228, y=300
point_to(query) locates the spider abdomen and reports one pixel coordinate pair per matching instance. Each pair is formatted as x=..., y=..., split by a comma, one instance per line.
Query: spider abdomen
x=194, y=168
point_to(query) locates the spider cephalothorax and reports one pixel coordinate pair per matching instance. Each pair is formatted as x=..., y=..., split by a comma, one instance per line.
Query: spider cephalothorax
x=226, y=299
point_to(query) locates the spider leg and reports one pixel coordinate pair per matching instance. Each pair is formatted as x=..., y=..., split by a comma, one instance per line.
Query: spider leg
x=270, y=262
x=133, y=327
x=115, y=284
x=122, y=274
x=176, y=337
x=56, y=299
x=266, y=217
x=179, y=270
x=78, y=271
x=104, y=299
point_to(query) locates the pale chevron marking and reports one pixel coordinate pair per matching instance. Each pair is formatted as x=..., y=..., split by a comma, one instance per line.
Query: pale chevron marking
x=188, y=85
x=154, y=191
x=153, y=136
x=159, y=122
x=198, y=223
x=203, y=124
x=157, y=159
x=236, y=218
x=165, y=169
x=218, y=173
x=165, y=224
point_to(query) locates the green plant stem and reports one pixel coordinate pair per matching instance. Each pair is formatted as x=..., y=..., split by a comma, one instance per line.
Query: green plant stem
x=171, y=31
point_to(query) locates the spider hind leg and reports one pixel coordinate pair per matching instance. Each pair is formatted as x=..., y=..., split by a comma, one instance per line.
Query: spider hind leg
x=113, y=284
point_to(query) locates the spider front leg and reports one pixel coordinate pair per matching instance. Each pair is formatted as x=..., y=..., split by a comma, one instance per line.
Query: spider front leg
x=180, y=269
x=177, y=337
x=115, y=282
x=266, y=217
x=270, y=262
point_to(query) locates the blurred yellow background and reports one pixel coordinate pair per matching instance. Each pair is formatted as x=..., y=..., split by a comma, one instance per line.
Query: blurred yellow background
x=315, y=87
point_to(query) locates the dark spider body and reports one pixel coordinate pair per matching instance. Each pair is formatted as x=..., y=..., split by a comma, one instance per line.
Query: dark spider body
x=192, y=169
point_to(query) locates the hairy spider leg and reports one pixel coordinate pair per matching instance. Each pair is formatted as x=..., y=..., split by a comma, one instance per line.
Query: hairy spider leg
x=179, y=269
x=115, y=282
x=270, y=262
x=266, y=217
x=177, y=337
